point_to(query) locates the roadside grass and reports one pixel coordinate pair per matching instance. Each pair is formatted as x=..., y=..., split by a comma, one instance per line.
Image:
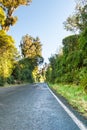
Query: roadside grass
x=75, y=95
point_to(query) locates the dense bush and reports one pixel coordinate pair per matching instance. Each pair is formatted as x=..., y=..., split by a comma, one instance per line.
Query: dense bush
x=71, y=66
x=2, y=81
x=10, y=80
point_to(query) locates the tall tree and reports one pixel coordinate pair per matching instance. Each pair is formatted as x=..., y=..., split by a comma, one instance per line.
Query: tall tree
x=9, y=7
x=77, y=21
x=7, y=54
x=31, y=48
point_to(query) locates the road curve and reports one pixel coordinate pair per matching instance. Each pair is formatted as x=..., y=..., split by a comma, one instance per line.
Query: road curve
x=32, y=107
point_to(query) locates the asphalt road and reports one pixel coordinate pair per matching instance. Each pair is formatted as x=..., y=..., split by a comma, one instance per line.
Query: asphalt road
x=32, y=107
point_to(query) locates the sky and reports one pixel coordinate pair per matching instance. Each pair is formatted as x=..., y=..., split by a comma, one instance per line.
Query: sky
x=43, y=18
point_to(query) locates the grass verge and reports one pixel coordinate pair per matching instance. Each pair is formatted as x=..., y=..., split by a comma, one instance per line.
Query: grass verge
x=75, y=95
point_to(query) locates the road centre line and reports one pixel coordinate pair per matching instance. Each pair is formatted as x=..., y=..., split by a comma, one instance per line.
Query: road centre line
x=74, y=118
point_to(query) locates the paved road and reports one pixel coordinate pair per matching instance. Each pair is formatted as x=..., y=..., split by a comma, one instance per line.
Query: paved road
x=32, y=107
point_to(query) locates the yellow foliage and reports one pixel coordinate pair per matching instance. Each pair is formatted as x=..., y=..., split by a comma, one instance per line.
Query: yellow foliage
x=7, y=54
x=2, y=16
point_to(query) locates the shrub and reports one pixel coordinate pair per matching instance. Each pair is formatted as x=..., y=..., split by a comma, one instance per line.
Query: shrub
x=2, y=81
x=10, y=80
x=83, y=77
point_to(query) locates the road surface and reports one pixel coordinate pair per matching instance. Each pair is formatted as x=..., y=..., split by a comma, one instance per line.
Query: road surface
x=32, y=107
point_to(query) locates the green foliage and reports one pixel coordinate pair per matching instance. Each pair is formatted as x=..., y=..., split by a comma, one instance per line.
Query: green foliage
x=32, y=57
x=49, y=74
x=2, y=81
x=71, y=67
x=70, y=44
x=75, y=95
x=23, y=70
x=83, y=76
x=83, y=41
x=10, y=80
x=26, y=75
x=77, y=21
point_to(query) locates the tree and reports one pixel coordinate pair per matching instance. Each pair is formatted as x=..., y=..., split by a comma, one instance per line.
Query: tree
x=48, y=74
x=7, y=54
x=70, y=44
x=81, y=2
x=8, y=51
x=83, y=46
x=31, y=48
x=23, y=70
x=71, y=66
x=77, y=21
x=9, y=6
